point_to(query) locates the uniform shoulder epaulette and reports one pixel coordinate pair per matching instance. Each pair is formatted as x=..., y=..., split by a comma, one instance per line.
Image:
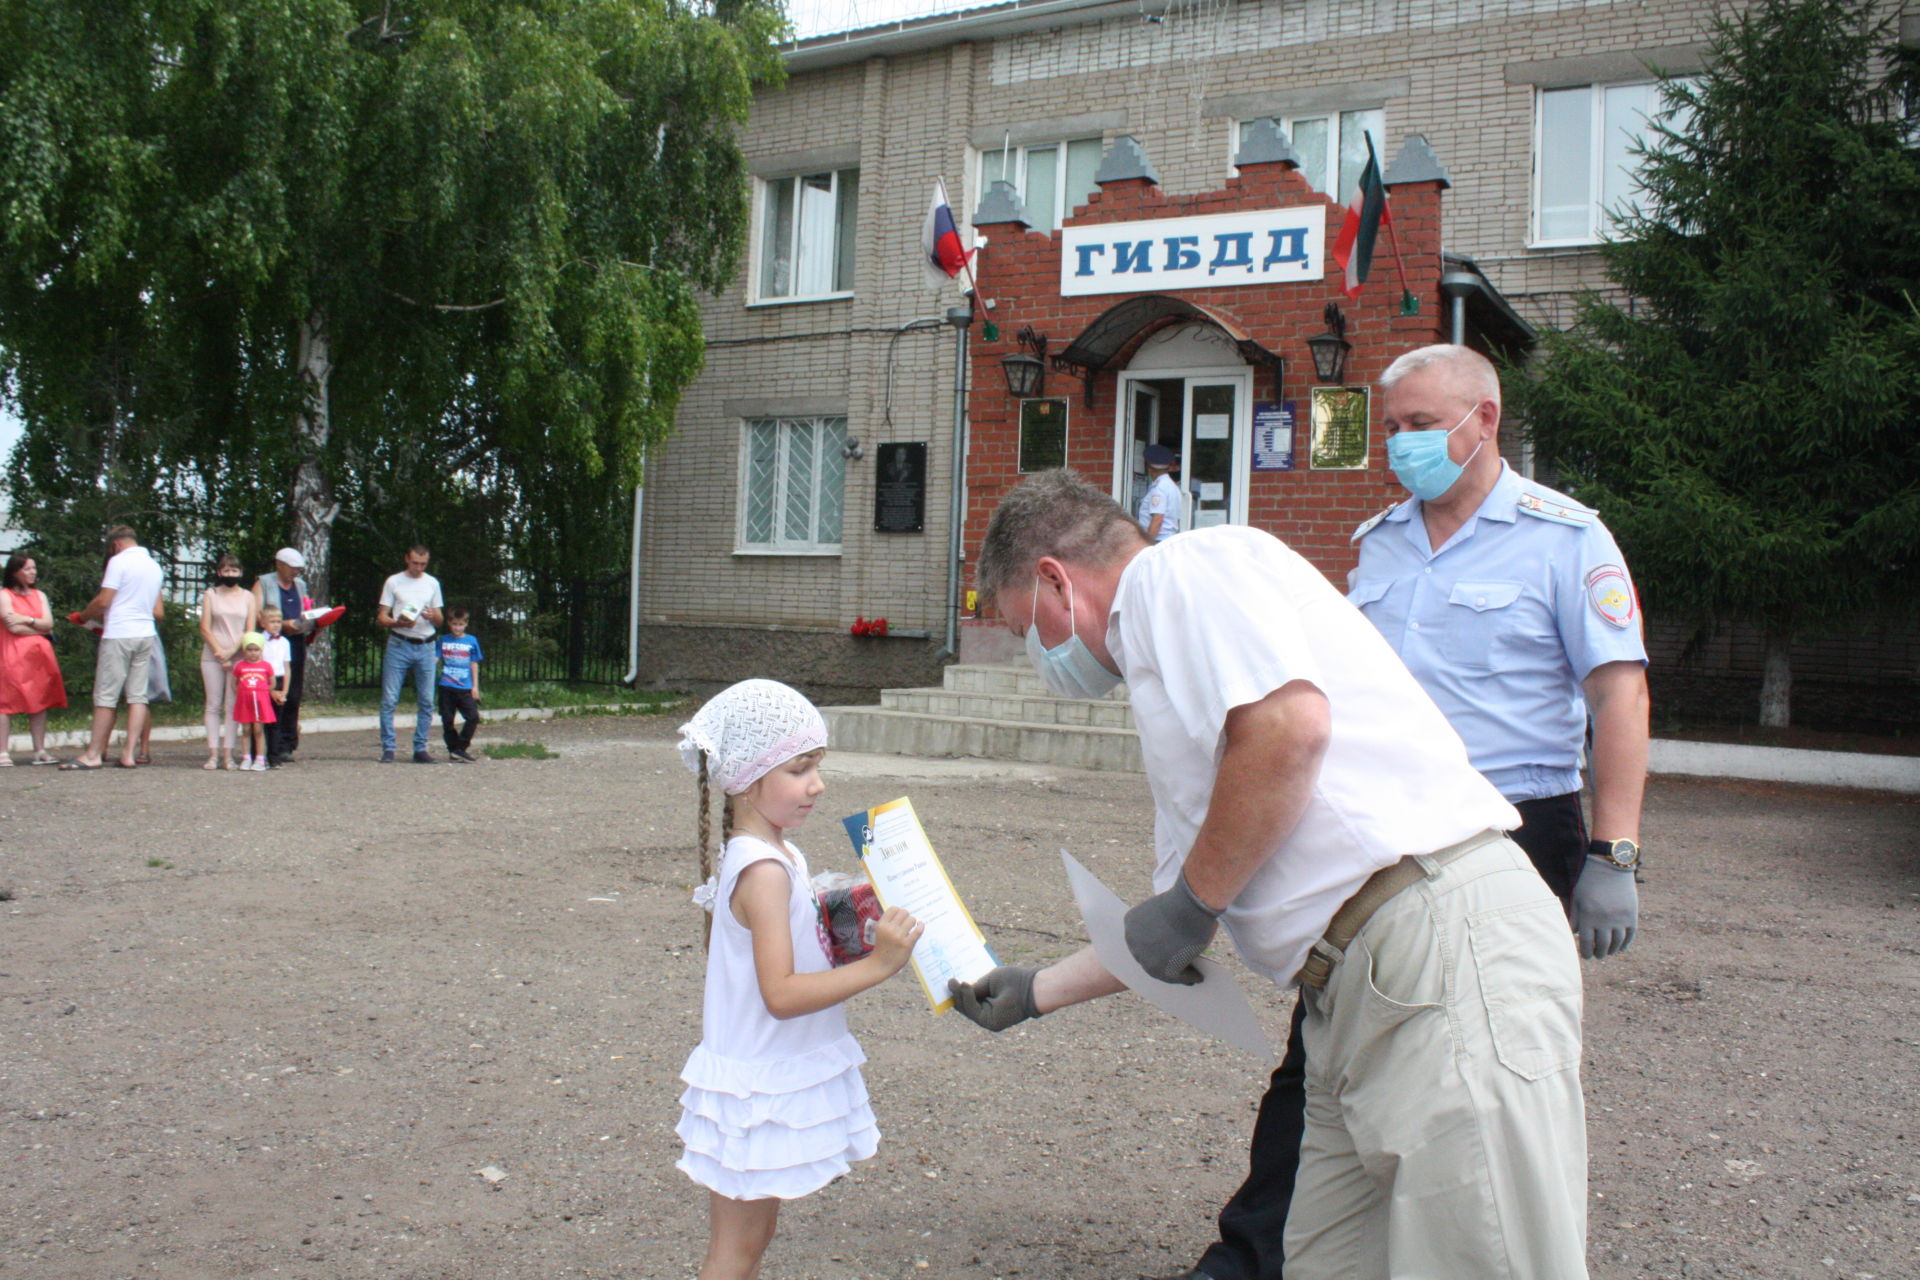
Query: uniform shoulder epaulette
x=1559, y=510
x=1366, y=526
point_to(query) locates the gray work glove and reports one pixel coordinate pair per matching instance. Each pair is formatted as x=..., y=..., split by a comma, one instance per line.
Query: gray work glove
x=1002, y=999
x=1168, y=931
x=1606, y=909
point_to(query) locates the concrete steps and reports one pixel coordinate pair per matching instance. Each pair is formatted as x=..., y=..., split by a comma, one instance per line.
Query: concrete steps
x=995, y=712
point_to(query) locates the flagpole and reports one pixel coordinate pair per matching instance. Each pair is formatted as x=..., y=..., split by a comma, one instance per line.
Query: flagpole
x=1393, y=233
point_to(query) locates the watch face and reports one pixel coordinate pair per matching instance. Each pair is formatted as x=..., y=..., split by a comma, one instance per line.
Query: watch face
x=1625, y=853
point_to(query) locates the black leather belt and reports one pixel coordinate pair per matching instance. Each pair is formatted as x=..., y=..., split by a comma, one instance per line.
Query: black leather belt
x=411, y=639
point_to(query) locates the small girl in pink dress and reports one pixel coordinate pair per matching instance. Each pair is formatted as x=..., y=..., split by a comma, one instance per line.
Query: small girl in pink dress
x=253, y=697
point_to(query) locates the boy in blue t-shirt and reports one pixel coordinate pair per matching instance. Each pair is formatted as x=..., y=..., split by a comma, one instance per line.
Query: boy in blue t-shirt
x=459, y=689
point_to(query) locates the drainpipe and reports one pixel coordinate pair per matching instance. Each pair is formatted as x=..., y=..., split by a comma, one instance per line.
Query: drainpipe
x=1455, y=286
x=633, y=581
x=960, y=318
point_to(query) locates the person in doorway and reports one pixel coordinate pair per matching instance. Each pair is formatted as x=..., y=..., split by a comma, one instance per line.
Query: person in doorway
x=1160, y=505
x=286, y=590
x=460, y=659
x=410, y=606
x=1310, y=797
x=125, y=607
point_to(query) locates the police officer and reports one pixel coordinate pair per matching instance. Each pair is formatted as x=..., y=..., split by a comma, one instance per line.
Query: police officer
x=1512, y=607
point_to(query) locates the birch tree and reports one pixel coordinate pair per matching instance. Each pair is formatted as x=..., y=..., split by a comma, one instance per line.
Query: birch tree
x=360, y=238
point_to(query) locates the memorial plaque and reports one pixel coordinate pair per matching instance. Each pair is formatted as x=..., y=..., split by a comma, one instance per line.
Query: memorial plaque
x=900, y=488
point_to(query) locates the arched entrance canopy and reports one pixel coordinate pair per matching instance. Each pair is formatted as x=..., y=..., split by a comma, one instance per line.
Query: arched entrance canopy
x=1101, y=342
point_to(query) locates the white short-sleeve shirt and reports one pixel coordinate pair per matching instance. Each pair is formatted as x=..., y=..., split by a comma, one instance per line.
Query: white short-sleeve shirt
x=423, y=592
x=1219, y=618
x=135, y=579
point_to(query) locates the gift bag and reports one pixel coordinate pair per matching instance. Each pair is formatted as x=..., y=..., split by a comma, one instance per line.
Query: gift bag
x=849, y=915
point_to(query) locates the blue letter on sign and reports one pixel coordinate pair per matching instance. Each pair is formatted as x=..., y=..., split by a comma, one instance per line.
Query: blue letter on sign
x=1132, y=255
x=1086, y=252
x=1241, y=242
x=1183, y=253
x=1289, y=245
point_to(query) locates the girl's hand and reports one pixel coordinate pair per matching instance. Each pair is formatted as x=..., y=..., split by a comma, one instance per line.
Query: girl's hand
x=895, y=939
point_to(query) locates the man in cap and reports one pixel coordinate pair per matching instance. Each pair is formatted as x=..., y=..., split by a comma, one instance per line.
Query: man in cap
x=284, y=589
x=1160, y=505
x=1312, y=799
x=126, y=607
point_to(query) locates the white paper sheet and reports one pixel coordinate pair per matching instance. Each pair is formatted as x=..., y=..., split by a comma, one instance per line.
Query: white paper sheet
x=1215, y=1005
x=907, y=873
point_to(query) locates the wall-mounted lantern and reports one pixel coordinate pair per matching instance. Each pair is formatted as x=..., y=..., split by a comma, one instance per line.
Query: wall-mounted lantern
x=1330, y=348
x=1026, y=369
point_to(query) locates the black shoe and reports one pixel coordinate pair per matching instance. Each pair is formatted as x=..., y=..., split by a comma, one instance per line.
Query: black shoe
x=462, y=757
x=424, y=757
x=386, y=757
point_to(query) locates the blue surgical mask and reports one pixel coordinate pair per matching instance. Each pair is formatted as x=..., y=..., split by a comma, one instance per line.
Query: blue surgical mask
x=1420, y=461
x=1069, y=669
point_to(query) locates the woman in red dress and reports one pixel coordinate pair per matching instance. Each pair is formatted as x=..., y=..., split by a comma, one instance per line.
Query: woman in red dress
x=30, y=683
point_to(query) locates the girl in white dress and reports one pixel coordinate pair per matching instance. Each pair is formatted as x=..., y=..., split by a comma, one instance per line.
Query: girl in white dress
x=774, y=1106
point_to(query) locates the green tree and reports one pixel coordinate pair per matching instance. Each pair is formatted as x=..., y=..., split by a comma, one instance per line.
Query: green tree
x=378, y=252
x=1745, y=416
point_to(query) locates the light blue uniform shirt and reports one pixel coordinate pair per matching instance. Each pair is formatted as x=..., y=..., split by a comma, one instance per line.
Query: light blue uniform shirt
x=1502, y=623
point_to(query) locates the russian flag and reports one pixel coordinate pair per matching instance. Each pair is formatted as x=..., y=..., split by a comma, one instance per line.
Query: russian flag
x=940, y=238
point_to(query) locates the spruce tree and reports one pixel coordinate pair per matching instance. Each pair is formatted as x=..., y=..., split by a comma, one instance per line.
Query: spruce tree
x=1745, y=409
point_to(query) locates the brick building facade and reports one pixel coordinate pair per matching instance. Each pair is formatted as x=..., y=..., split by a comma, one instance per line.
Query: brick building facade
x=759, y=544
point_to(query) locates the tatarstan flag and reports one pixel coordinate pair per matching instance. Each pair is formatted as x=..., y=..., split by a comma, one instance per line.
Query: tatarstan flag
x=1366, y=210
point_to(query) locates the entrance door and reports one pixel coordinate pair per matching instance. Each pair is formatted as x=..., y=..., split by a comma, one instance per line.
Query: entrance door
x=1203, y=415
x=1212, y=447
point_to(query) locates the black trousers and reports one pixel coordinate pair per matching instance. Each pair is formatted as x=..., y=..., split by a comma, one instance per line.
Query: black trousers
x=462, y=701
x=283, y=735
x=1253, y=1223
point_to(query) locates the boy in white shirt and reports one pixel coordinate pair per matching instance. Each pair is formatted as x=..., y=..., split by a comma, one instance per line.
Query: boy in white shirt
x=279, y=655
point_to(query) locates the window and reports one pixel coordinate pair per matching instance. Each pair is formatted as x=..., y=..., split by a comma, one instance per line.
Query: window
x=792, y=479
x=1332, y=146
x=807, y=226
x=1584, y=173
x=1053, y=178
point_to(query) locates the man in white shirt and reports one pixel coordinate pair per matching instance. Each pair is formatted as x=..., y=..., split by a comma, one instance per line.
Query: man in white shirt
x=1160, y=505
x=125, y=605
x=1309, y=796
x=409, y=609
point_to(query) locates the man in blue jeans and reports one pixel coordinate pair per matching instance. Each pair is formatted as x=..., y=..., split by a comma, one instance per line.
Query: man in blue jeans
x=409, y=609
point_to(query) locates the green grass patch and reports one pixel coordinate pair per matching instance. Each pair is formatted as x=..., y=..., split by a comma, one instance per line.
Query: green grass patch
x=521, y=751
x=160, y=863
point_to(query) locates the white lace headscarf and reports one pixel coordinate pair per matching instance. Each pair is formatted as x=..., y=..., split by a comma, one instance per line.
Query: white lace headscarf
x=748, y=729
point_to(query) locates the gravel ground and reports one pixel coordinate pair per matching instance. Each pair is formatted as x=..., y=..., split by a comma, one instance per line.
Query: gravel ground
x=230, y=1051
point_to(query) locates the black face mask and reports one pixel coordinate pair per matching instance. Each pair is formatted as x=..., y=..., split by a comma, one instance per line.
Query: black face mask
x=226, y=582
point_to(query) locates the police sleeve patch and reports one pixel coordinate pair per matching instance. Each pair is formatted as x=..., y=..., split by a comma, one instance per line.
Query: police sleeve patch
x=1610, y=592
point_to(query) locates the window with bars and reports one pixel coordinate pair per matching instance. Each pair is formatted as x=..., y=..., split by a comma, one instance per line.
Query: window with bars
x=1332, y=146
x=1053, y=178
x=1585, y=174
x=792, y=485
x=807, y=228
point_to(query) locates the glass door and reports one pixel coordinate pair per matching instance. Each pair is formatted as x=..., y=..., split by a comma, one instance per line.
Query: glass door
x=1212, y=452
x=1143, y=429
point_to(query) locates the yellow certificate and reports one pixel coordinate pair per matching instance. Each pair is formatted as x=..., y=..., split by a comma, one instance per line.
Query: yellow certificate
x=906, y=873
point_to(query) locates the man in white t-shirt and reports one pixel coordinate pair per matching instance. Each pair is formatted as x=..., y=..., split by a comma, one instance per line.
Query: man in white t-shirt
x=1310, y=797
x=409, y=609
x=125, y=606
x=1160, y=505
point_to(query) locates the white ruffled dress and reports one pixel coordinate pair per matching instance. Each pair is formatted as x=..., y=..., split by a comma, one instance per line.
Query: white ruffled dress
x=772, y=1108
